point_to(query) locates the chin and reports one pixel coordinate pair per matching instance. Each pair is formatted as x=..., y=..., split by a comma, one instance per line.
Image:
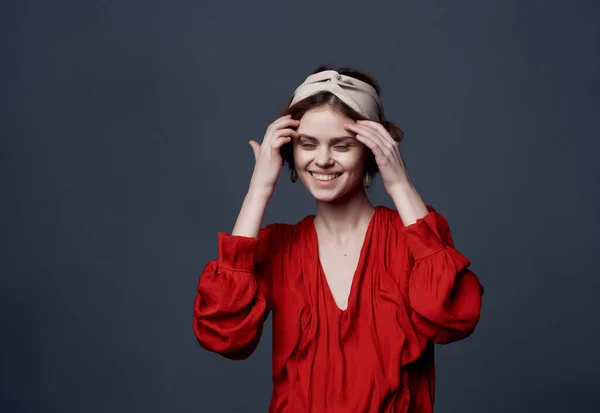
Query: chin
x=326, y=197
x=329, y=194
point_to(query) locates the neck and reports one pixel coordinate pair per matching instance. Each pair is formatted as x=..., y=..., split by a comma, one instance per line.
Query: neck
x=341, y=218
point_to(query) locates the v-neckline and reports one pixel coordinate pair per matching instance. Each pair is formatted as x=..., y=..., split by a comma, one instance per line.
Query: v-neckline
x=359, y=264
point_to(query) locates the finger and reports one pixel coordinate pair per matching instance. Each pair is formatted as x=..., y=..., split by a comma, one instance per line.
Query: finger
x=283, y=121
x=371, y=144
x=281, y=118
x=380, y=128
x=386, y=147
x=275, y=128
x=255, y=148
x=378, y=136
x=279, y=142
x=271, y=142
x=292, y=133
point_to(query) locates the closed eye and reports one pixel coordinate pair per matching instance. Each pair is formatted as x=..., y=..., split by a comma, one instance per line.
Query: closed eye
x=307, y=145
x=339, y=146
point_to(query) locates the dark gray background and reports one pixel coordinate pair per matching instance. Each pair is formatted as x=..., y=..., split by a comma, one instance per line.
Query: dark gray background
x=124, y=151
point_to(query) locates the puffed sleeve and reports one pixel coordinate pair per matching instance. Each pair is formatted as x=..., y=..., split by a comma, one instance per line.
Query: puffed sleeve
x=234, y=294
x=444, y=294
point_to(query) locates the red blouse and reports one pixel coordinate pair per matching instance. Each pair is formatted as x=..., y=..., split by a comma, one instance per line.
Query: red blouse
x=411, y=289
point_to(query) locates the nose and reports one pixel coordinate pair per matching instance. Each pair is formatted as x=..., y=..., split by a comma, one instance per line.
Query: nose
x=323, y=158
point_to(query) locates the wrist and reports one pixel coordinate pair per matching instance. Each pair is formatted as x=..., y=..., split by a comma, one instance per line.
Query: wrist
x=401, y=189
x=259, y=194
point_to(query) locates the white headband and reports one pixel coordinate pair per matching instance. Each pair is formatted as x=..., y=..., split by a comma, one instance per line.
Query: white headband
x=359, y=95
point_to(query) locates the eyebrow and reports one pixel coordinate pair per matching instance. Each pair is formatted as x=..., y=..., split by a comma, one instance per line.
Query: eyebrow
x=332, y=140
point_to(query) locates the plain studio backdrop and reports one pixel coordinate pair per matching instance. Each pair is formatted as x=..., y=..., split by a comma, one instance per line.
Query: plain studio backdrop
x=124, y=151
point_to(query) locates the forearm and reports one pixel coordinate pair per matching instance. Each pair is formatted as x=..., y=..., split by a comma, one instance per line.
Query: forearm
x=251, y=214
x=409, y=203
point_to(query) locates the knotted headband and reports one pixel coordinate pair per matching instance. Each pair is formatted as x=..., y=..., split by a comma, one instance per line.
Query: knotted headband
x=359, y=95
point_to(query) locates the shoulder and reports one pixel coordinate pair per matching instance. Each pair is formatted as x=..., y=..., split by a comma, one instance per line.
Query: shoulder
x=279, y=241
x=285, y=232
x=388, y=220
x=391, y=215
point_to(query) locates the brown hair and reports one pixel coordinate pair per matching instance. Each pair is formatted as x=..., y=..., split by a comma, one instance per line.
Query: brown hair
x=322, y=99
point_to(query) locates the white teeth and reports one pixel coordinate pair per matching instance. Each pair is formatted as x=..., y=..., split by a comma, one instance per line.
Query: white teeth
x=325, y=177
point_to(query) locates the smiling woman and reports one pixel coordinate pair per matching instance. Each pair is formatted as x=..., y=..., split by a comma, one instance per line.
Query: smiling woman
x=359, y=293
x=328, y=101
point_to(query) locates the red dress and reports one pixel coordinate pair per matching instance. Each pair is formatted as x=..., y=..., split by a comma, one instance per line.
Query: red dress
x=411, y=289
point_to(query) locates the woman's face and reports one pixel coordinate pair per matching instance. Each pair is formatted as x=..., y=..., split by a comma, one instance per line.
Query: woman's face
x=328, y=158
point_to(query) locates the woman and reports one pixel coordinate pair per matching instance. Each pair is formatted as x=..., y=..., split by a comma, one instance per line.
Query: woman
x=359, y=294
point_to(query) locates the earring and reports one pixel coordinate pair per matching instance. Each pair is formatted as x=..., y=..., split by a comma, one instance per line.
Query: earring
x=368, y=180
x=293, y=175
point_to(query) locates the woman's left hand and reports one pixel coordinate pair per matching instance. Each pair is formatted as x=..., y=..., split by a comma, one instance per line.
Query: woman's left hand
x=386, y=150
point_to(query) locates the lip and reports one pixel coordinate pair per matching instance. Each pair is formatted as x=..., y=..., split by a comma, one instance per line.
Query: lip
x=331, y=182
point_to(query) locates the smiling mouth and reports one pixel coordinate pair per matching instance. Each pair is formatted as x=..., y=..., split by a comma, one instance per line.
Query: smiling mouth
x=328, y=177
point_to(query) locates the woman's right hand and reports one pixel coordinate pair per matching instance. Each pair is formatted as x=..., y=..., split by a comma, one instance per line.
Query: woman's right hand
x=267, y=156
